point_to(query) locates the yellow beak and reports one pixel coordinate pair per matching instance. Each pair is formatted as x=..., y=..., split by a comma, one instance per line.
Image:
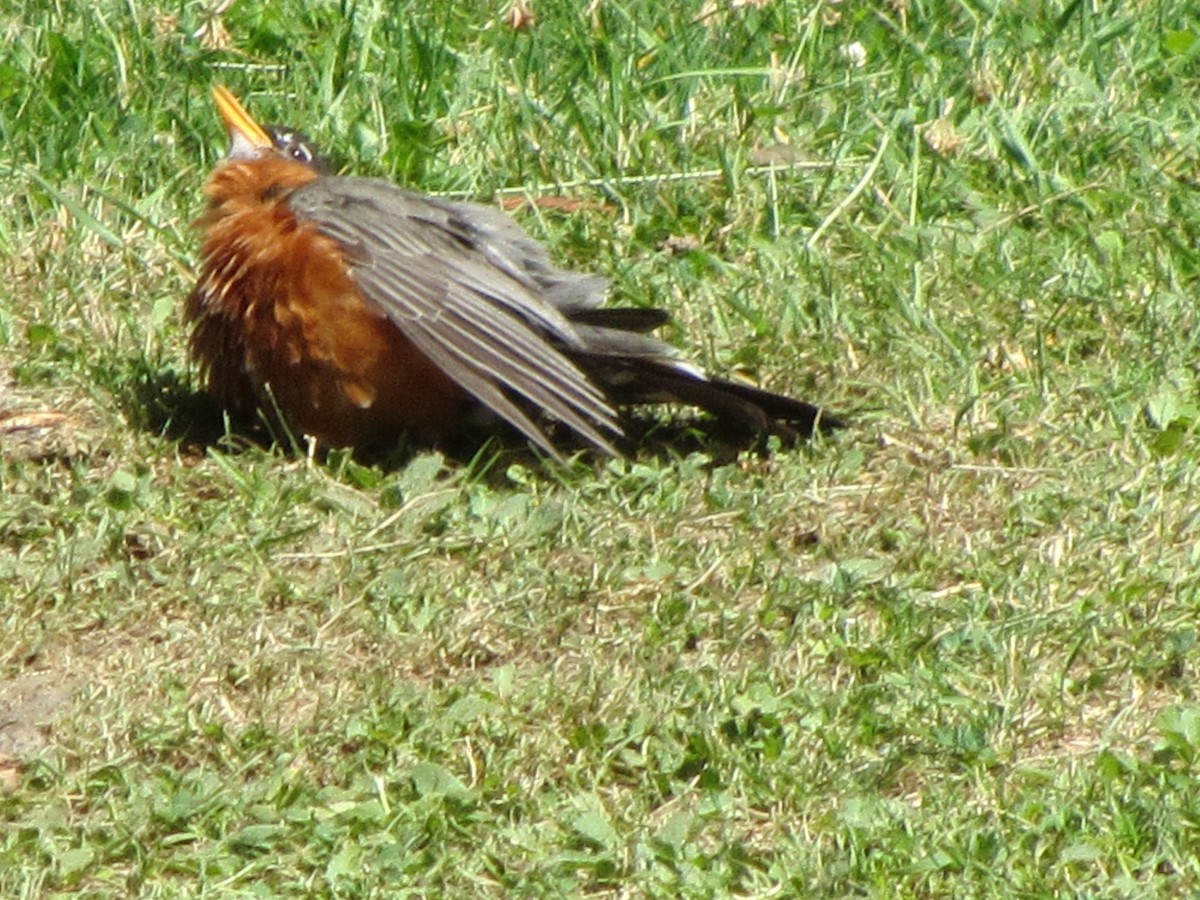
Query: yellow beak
x=246, y=136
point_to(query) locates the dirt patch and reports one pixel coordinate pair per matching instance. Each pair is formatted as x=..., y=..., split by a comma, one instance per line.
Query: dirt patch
x=30, y=705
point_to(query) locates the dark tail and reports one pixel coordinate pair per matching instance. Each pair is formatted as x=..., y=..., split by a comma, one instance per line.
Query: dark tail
x=634, y=368
x=756, y=409
x=742, y=406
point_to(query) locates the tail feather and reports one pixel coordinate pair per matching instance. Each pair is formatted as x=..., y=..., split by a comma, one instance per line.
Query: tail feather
x=631, y=381
x=621, y=318
x=804, y=418
x=633, y=368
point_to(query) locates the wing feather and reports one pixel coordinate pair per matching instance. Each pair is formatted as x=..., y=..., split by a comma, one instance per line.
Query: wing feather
x=474, y=293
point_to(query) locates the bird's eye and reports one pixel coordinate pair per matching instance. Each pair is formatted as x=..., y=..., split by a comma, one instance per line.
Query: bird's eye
x=300, y=153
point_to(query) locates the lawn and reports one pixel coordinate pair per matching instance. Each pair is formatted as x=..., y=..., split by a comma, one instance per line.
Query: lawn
x=947, y=652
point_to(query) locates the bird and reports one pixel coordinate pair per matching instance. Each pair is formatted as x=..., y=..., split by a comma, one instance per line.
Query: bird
x=360, y=314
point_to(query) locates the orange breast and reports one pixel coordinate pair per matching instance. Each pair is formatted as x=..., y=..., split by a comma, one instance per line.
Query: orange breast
x=279, y=323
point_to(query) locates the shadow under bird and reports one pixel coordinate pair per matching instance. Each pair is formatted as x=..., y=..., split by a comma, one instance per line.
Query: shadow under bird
x=359, y=312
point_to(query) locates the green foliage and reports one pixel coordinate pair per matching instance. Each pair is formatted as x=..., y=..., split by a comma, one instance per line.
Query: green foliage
x=949, y=653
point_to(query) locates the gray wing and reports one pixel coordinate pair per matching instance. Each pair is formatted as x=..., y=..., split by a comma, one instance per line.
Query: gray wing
x=474, y=293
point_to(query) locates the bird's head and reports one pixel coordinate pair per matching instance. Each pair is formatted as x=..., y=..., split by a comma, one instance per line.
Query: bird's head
x=250, y=140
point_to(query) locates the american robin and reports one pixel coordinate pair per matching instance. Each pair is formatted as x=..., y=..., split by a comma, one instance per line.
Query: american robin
x=357, y=311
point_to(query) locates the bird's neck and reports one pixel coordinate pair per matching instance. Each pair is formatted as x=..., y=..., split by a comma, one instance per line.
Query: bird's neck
x=239, y=185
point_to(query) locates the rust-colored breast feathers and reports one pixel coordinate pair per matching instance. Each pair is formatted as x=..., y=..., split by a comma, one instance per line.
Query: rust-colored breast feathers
x=280, y=324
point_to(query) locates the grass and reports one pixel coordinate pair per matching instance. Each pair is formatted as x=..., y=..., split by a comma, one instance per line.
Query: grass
x=948, y=653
